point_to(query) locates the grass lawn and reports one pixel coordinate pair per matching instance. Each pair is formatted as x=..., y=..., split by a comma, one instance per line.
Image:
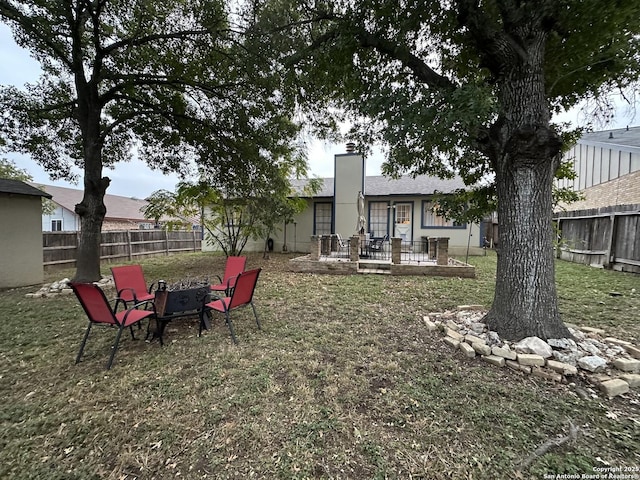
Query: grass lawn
x=343, y=382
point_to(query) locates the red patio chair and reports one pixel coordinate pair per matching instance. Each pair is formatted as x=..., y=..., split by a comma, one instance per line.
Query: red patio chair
x=131, y=286
x=97, y=308
x=234, y=267
x=241, y=296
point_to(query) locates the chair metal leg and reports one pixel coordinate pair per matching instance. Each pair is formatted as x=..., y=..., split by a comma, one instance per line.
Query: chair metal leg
x=230, y=325
x=202, y=313
x=256, y=315
x=84, y=342
x=115, y=347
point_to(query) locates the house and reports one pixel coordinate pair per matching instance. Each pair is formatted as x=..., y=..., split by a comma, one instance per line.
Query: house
x=603, y=228
x=607, y=167
x=402, y=207
x=21, y=237
x=123, y=213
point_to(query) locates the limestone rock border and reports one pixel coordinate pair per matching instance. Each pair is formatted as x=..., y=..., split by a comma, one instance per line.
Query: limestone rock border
x=610, y=365
x=61, y=287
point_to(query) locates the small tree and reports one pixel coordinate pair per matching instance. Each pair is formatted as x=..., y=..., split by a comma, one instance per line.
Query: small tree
x=251, y=206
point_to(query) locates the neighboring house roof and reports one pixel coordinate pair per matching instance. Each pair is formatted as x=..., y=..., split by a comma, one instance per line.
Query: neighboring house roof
x=625, y=139
x=122, y=208
x=383, y=186
x=18, y=187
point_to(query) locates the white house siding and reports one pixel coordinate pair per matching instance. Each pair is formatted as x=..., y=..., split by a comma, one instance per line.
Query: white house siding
x=607, y=166
x=70, y=221
x=20, y=240
x=599, y=163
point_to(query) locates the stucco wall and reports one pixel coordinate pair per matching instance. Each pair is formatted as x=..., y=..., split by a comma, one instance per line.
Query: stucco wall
x=20, y=241
x=349, y=180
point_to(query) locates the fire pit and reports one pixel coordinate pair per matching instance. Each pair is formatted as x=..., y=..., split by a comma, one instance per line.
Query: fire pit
x=180, y=299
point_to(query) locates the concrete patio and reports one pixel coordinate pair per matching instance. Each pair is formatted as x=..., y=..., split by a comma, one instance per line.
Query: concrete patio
x=398, y=261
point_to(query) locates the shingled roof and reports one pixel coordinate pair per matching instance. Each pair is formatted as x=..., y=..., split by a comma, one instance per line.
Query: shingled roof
x=18, y=187
x=383, y=186
x=118, y=208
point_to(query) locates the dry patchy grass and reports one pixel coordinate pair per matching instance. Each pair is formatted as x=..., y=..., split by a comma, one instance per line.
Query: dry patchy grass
x=342, y=382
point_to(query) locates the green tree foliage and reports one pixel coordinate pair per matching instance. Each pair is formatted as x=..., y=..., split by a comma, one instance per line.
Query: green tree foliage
x=466, y=87
x=249, y=206
x=173, y=82
x=9, y=169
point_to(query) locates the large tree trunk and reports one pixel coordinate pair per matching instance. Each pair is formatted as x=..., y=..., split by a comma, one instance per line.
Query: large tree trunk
x=92, y=212
x=92, y=209
x=524, y=150
x=525, y=302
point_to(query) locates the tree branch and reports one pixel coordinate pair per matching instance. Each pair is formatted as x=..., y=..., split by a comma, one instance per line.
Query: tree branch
x=133, y=41
x=549, y=444
x=149, y=80
x=9, y=12
x=398, y=52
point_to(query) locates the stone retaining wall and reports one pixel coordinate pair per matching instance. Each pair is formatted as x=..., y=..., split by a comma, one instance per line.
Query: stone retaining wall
x=307, y=265
x=462, y=271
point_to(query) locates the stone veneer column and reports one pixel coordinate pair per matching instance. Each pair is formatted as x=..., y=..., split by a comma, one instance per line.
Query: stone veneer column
x=396, y=250
x=443, y=251
x=433, y=247
x=314, y=247
x=354, y=247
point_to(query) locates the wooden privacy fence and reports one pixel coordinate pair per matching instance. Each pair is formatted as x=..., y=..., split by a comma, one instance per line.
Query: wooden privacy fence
x=608, y=237
x=59, y=248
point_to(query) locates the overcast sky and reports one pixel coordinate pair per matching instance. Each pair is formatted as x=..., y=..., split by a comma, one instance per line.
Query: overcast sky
x=135, y=178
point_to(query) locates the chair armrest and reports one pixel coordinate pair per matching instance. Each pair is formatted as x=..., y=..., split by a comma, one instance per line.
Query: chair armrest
x=208, y=298
x=231, y=280
x=152, y=302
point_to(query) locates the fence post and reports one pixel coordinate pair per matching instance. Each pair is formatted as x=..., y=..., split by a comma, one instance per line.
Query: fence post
x=314, y=248
x=194, y=240
x=611, y=245
x=442, y=255
x=396, y=250
x=354, y=248
x=129, y=246
x=166, y=242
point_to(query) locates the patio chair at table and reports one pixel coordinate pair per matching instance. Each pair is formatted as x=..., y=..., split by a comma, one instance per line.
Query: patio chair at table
x=377, y=245
x=343, y=245
x=99, y=311
x=234, y=267
x=241, y=296
x=131, y=286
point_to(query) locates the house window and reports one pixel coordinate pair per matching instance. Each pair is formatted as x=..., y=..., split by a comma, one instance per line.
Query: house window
x=322, y=219
x=378, y=219
x=431, y=218
x=403, y=214
x=56, y=225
